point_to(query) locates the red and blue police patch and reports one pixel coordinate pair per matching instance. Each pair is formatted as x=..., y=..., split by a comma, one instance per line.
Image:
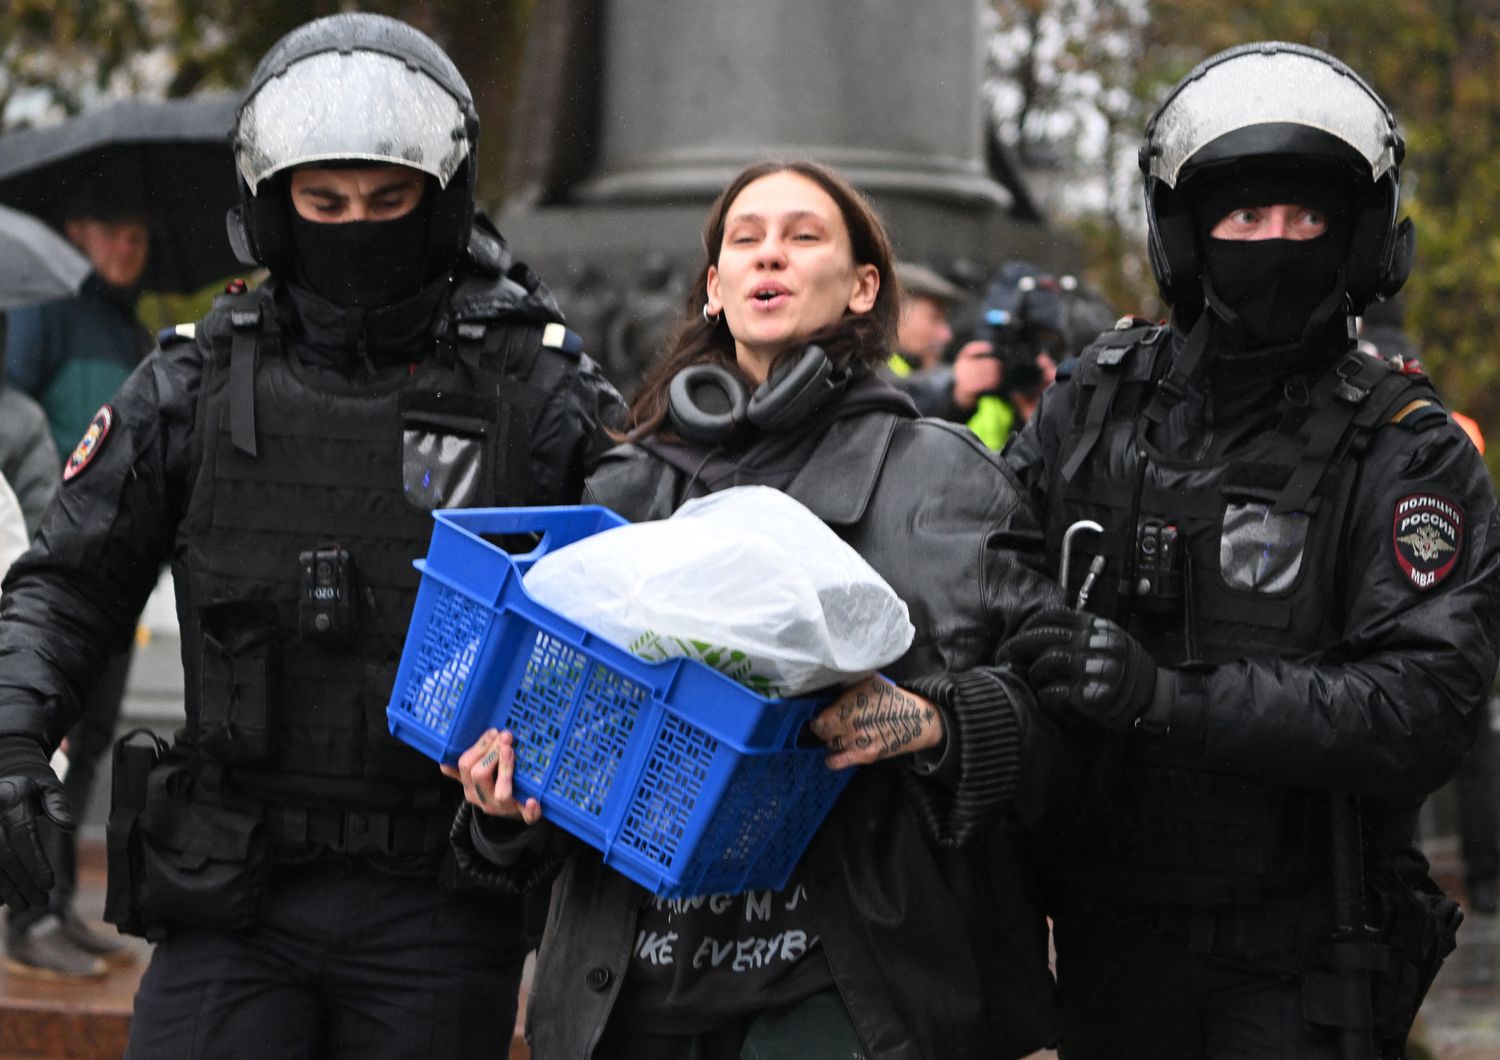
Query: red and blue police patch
x=1427, y=534
x=92, y=441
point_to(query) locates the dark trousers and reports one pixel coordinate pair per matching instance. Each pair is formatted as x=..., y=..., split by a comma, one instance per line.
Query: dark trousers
x=1130, y=990
x=347, y=962
x=818, y=1027
x=1479, y=804
x=88, y=741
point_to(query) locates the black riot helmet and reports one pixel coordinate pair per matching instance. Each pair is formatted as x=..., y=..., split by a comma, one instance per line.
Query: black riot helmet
x=1264, y=105
x=353, y=88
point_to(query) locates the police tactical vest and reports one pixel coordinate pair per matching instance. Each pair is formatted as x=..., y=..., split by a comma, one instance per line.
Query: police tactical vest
x=311, y=495
x=1205, y=561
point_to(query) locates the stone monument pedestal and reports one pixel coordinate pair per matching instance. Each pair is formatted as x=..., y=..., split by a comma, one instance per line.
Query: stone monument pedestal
x=637, y=113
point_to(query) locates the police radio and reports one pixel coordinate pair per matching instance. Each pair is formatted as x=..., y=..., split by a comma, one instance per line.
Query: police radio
x=1158, y=564
x=327, y=604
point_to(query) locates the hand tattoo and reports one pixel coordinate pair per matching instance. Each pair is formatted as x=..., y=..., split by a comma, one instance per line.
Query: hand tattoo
x=890, y=718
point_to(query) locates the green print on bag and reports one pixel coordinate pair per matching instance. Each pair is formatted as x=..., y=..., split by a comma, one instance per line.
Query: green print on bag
x=654, y=647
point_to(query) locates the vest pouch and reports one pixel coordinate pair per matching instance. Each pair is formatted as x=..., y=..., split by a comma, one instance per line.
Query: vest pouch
x=238, y=670
x=136, y=754
x=447, y=450
x=1260, y=550
x=205, y=863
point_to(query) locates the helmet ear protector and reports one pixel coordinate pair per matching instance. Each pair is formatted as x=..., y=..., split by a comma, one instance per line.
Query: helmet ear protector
x=1381, y=250
x=260, y=231
x=239, y=237
x=708, y=403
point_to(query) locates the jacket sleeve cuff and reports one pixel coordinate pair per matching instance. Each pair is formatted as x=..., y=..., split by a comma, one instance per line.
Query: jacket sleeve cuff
x=1178, y=707
x=979, y=770
x=497, y=856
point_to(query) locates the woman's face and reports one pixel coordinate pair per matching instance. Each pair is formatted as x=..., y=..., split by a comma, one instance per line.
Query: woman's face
x=785, y=268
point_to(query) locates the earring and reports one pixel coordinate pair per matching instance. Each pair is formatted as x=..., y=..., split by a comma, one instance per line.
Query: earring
x=711, y=319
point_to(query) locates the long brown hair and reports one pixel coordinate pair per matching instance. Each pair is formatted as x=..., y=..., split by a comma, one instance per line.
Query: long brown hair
x=856, y=338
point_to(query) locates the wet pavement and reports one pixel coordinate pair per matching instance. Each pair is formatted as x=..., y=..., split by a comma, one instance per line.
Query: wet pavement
x=1461, y=1018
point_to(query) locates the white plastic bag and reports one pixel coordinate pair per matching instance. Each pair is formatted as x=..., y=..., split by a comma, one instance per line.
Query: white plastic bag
x=746, y=580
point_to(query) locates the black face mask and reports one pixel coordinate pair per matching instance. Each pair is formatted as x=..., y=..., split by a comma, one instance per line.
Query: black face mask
x=1275, y=292
x=364, y=264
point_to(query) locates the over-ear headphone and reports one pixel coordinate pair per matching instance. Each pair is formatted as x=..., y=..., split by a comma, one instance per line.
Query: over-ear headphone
x=708, y=403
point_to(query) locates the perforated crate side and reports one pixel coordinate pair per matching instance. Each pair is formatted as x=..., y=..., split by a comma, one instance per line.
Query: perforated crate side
x=452, y=631
x=765, y=819
x=674, y=777
x=802, y=815
x=603, y=723
x=543, y=700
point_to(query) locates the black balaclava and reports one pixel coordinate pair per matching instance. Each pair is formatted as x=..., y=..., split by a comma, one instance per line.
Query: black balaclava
x=1274, y=296
x=365, y=264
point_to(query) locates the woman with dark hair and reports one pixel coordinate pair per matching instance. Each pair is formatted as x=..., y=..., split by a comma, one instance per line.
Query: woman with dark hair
x=906, y=931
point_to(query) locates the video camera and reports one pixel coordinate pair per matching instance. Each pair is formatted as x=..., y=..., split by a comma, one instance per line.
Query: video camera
x=1021, y=319
x=1025, y=313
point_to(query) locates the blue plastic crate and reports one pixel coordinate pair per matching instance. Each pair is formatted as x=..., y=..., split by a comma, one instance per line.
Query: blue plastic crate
x=687, y=781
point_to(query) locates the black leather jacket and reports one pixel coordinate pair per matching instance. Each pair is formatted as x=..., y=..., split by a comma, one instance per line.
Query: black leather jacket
x=927, y=920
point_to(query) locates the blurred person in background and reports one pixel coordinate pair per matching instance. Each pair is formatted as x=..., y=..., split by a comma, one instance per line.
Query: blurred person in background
x=28, y=456
x=1012, y=338
x=924, y=333
x=13, y=535
x=71, y=356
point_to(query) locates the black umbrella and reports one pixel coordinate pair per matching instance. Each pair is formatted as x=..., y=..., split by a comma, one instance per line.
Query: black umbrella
x=173, y=157
x=36, y=264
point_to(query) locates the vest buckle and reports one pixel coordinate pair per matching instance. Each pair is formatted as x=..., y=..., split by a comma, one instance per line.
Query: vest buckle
x=364, y=832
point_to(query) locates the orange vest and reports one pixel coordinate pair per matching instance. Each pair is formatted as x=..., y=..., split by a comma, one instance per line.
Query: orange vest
x=1471, y=429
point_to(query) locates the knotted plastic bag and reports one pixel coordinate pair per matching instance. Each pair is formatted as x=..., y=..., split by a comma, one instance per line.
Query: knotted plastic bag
x=746, y=580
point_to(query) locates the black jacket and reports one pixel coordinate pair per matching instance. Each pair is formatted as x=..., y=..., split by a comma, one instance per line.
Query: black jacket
x=926, y=916
x=1353, y=674
x=74, y=597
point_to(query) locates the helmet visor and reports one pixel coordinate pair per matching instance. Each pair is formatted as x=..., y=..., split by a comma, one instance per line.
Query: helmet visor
x=350, y=106
x=1270, y=87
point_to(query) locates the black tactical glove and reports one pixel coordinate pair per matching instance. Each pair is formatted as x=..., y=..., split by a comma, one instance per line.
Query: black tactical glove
x=1085, y=669
x=31, y=798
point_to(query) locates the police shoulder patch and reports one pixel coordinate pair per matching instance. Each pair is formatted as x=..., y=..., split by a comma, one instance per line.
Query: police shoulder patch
x=92, y=441
x=1427, y=535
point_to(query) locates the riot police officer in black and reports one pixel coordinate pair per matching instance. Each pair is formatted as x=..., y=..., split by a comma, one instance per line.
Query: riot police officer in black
x=1283, y=558
x=285, y=852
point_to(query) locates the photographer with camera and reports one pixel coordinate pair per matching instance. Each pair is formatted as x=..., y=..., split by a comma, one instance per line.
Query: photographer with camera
x=1021, y=330
x=923, y=334
x=997, y=377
